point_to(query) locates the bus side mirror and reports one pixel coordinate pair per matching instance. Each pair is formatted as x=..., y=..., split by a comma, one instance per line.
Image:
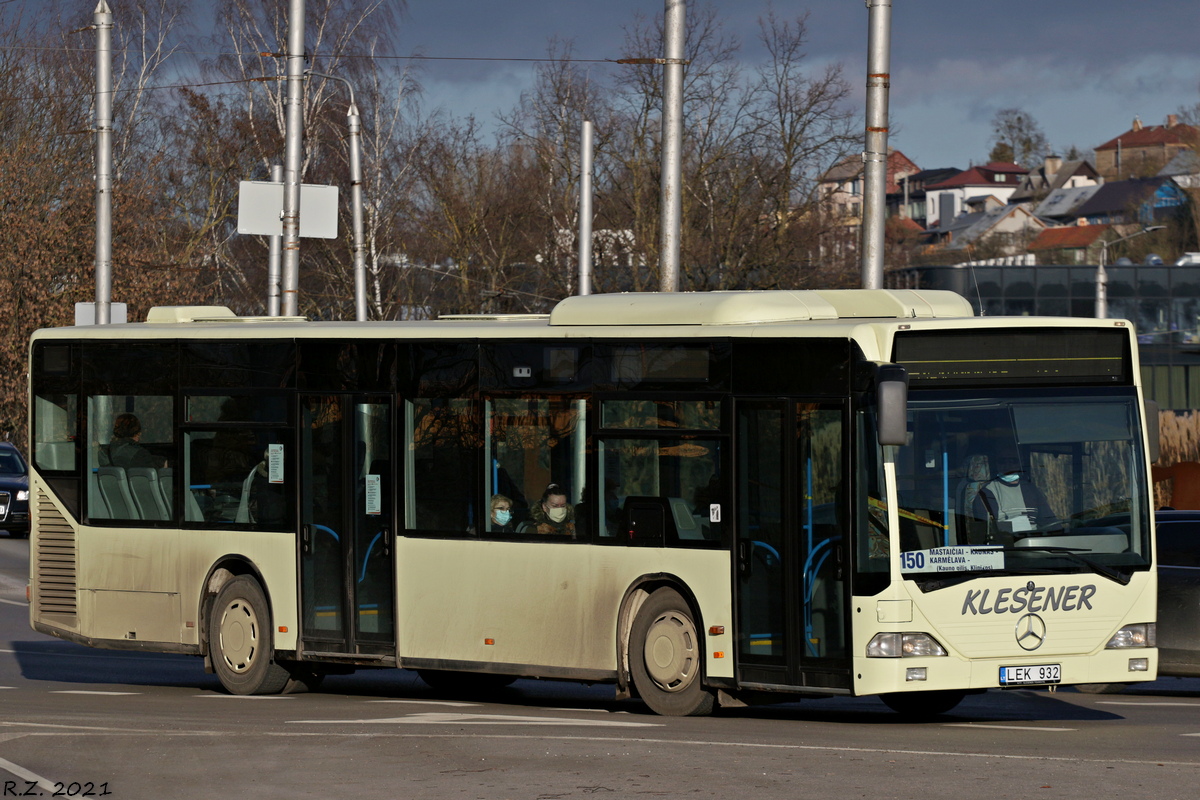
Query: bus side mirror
x=891, y=393
x=1152, y=434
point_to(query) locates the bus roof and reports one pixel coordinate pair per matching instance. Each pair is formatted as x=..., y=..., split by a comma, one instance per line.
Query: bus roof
x=675, y=308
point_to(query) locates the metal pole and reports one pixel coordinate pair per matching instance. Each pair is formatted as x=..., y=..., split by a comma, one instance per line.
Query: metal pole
x=1102, y=284
x=672, y=145
x=876, y=154
x=585, y=209
x=273, y=256
x=293, y=159
x=103, y=21
x=354, y=124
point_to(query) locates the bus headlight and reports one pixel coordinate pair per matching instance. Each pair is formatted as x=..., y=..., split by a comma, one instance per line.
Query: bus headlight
x=903, y=645
x=1143, y=634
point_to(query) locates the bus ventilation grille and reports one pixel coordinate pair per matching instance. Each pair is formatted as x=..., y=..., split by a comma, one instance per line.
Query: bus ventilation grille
x=55, y=560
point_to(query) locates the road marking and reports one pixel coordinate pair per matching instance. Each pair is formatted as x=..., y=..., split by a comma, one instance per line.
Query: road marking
x=477, y=719
x=430, y=703
x=14, y=602
x=1005, y=727
x=1135, y=703
x=247, y=696
x=26, y=775
x=88, y=691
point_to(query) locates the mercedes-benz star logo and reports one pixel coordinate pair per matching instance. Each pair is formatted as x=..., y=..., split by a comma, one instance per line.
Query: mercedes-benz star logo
x=1031, y=631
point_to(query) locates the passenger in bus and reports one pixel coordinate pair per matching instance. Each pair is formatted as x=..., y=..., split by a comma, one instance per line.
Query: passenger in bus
x=553, y=515
x=124, y=449
x=1012, y=500
x=501, y=520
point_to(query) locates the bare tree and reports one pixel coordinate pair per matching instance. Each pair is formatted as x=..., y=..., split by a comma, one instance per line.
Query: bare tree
x=1017, y=138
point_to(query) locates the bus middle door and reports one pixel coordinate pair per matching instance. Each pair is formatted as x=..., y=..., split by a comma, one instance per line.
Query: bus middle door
x=346, y=526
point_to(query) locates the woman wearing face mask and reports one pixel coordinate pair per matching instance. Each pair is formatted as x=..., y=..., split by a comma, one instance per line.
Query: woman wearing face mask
x=501, y=519
x=553, y=515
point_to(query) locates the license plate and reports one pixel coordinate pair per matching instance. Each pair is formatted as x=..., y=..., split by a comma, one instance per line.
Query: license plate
x=1040, y=673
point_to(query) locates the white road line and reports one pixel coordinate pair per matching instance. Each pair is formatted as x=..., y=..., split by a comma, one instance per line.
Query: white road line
x=88, y=691
x=1005, y=727
x=430, y=703
x=1189, y=734
x=14, y=602
x=26, y=775
x=477, y=719
x=248, y=696
x=1135, y=703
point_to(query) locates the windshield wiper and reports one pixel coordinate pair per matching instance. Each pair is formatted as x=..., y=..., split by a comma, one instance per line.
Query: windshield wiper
x=1072, y=553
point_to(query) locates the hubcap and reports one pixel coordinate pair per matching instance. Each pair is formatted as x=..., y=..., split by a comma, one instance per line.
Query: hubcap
x=670, y=652
x=238, y=637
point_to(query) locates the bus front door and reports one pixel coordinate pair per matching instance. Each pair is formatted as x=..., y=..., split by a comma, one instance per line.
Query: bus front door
x=346, y=562
x=792, y=627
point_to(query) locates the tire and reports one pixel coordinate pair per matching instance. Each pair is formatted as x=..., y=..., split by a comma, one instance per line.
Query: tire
x=922, y=705
x=465, y=683
x=666, y=657
x=1101, y=688
x=239, y=640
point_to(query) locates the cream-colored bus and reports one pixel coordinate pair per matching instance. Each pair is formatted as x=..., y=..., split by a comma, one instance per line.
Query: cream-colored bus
x=699, y=498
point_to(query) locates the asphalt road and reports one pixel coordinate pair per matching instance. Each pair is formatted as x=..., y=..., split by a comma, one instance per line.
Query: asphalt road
x=98, y=723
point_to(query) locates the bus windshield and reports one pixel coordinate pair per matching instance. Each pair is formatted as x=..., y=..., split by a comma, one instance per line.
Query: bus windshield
x=1022, y=482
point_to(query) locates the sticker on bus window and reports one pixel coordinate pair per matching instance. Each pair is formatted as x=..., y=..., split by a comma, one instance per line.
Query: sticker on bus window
x=714, y=512
x=275, y=463
x=953, y=559
x=374, y=505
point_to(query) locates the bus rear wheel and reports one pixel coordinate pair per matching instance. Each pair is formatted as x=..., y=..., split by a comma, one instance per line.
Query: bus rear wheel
x=920, y=705
x=666, y=657
x=239, y=640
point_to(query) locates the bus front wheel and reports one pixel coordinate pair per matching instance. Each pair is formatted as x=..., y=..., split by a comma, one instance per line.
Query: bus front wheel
x=239, y=640
x=666, y=657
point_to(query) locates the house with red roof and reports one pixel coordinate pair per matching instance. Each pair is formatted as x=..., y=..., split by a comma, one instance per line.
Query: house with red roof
x=841, y=186
x=1143, y=150
x=1070, y=244
x=947, y=199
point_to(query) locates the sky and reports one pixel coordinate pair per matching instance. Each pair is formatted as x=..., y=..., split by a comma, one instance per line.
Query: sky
x=1083, y=69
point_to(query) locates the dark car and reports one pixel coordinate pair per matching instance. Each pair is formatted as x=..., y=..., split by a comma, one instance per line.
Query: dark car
x=1178, y=593
x=1178, y=598
x=14, y=492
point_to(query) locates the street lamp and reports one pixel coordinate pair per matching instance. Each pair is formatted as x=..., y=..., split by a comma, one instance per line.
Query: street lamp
x=1102, y=275
x=356, y=204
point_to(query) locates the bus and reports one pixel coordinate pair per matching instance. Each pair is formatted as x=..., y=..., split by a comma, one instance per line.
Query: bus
x=703, y=499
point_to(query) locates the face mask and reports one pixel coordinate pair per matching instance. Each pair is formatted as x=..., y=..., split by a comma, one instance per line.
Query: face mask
x=503, y=516
x=557, y=514
x=1010, y=477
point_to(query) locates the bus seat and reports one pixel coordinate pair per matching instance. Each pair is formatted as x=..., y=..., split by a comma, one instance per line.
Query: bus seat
x=968, y=528
x=166, y=485
x=147, y=495
x=114, y=487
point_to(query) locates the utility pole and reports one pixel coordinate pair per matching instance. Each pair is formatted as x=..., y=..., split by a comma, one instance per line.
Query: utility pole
x=585, y=209
x=671, y=211
x=103, y=22
x=273, y=254
x=875, y=156
x=293, y=159
x=354, y=124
